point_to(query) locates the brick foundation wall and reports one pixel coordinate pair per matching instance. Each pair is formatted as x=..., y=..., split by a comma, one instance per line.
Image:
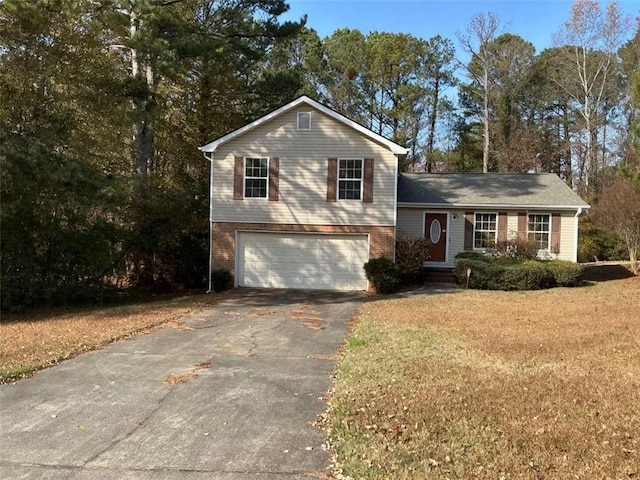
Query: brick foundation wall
x=223, y=236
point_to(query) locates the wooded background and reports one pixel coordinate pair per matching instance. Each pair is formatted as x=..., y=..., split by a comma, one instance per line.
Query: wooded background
x=104, y=103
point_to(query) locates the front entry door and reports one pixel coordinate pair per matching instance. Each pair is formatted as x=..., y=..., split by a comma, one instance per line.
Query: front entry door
x=435, y=230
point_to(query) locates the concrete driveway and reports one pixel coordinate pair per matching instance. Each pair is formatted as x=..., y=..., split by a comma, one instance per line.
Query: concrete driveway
x=231, y=394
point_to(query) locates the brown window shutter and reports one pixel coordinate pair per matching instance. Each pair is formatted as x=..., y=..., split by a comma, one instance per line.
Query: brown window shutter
x=332, y=179
x=468, y=230
x=555, y=233
x=523, y=224
x=274, y=172
x=502, y=226
x=367, y=185
x=238, y=179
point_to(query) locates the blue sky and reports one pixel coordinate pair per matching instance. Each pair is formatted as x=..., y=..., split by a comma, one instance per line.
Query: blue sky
x=534, y=20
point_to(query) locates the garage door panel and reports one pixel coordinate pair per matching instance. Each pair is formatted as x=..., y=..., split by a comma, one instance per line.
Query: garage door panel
x=289, y=260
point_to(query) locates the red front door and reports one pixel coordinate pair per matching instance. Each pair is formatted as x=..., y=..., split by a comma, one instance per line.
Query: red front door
x=435, y=230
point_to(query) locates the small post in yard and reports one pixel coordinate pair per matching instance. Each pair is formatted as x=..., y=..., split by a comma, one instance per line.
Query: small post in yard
x=468, y=277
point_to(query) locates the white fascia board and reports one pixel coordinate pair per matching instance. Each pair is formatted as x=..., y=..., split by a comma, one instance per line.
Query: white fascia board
x=394, y=147
x=490, y=206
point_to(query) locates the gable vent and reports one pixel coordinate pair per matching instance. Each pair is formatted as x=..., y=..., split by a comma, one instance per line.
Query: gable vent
x=304, y=120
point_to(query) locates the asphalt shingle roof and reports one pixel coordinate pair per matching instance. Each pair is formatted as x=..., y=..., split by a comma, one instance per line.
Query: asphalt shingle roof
x=478, y=189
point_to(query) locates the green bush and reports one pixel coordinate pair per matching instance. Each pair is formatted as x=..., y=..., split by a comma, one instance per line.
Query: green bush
x=522, y=275
x=384, y=275
x=221, y=279
x=565, y=274
x=479, y=271
x=473, y=255
x=514, y=274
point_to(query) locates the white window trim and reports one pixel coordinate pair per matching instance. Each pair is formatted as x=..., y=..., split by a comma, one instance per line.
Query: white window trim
x=361, y=179
x=244, y=179
x=473, y=239
x=298, y=120
x=548, y=249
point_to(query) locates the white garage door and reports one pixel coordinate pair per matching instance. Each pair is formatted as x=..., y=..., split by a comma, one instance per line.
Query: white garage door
x=301, y=260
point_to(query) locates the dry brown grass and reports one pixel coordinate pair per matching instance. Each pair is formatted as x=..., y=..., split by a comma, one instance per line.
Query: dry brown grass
x=29, y=342
x=476, y=384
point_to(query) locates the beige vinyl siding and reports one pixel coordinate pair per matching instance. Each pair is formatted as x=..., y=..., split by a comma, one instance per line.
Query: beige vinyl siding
x=411, y=223
x=512, y=225
x=303, y=174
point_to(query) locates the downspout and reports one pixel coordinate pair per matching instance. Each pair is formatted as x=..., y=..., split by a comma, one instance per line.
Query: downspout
x=210, y=158
x=575, y=236
x=396, y=172
x=395, y=206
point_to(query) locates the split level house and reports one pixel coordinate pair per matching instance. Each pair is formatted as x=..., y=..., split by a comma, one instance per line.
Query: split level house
x=303, y=197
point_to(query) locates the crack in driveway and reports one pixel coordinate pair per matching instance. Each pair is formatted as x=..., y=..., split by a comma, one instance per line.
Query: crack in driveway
x=251, y=413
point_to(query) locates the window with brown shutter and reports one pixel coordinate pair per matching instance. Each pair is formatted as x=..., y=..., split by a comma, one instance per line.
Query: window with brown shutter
x=468, y=230
x=367, y=187
x=274, y=171
x=555, y=233
x=522, y=225
x=332, y=179
x=502, y=226
x=238, y=178
x=543, y=229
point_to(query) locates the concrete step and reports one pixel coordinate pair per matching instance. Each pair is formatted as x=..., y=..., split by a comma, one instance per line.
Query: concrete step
x=438, y=275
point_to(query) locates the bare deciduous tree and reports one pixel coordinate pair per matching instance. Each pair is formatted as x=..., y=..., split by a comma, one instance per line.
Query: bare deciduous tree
x=619, y=211
x=591, y=38
x=481, y=31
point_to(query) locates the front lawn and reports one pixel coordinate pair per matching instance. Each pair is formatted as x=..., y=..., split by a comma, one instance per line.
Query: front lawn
x=37, y=339
x=493, y=385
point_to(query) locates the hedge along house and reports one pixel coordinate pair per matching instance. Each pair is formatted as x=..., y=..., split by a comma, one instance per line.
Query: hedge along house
x=303, y=197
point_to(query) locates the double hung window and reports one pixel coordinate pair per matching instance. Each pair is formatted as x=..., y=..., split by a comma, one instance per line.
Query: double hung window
x=349, y=179
x=485, y=230
x=256, y=177
x=539, y=229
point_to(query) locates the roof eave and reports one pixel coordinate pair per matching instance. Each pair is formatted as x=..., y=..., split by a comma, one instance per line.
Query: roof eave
x=491, y=205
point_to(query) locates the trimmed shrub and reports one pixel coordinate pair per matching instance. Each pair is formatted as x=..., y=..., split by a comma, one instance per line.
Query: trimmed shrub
x=565, y=274
x=411, y=253
x=221, y=279
x=473, y=255
x=479, y=266
x=514, y=274
x=525, y=275
x=384, y=275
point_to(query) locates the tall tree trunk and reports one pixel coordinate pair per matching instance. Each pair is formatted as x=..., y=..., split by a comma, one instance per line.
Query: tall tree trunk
x=485, y=107
x=433, y=116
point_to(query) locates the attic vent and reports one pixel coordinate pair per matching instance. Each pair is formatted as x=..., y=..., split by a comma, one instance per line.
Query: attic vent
x=304, y=120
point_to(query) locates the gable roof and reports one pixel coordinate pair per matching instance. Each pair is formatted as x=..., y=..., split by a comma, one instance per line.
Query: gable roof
x=394, y=147
x=540, y=190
